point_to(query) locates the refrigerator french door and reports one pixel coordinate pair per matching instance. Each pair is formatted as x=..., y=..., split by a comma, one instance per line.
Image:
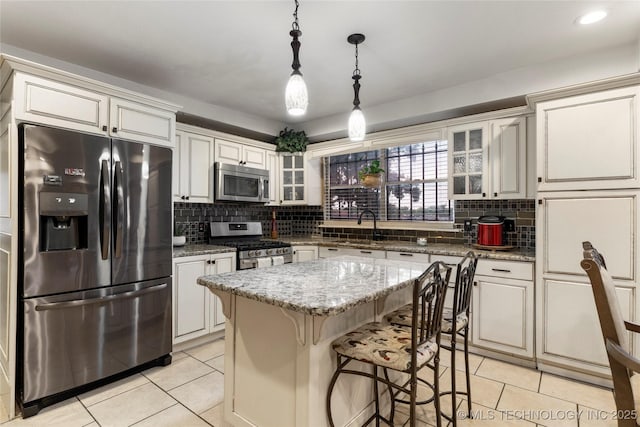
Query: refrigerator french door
x=96, y=267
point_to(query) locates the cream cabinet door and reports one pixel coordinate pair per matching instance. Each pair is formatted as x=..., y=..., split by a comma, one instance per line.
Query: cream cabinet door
x=193, y=168
x=502, y=315
x=608, y=219
x=304, y=253
x=569, y=330
x=254, y=157
x=228, y=152
x=273, y=165
x=292, y=179
x=222, y=263
x=176, y=169
x=589, y=141
x=468, y=161
x=138, y=122
x=58, y=104
x=190, y=300
x=508, y=151
x=198, y=174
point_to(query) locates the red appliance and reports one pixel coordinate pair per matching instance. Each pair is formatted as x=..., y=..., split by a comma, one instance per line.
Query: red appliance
x=491, y=230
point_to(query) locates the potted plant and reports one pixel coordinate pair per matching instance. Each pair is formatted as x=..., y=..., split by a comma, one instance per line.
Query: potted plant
x=291, y=141
x=179, y=237
x=370, y=174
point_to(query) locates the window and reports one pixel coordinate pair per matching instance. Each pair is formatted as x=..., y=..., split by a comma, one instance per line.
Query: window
x=414, y=186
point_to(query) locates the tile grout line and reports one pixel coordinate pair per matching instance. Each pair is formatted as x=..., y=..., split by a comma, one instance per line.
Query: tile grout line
x=155, y=413
x=88, y=412
x=117, y=394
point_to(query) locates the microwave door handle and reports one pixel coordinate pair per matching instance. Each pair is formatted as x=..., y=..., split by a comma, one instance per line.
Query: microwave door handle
x=260, y=189
x=265, y=189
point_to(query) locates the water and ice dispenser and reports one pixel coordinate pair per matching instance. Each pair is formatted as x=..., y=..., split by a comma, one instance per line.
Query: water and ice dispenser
x=63, y=221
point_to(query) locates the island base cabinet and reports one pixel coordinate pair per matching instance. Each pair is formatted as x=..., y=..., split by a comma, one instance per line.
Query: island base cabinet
x=570, y=334
x=278, y=365
x=503, y=315
x=196, y=311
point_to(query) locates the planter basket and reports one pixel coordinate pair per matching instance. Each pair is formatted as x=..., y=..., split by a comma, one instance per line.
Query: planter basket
x=371, y=181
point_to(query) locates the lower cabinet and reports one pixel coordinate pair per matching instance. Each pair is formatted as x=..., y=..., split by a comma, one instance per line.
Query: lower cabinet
x=304, y=253
x=196, y=310
x=502, y=313
x=328, y=252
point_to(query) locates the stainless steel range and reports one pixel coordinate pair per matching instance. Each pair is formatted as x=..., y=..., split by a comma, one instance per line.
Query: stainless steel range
x=246, y=237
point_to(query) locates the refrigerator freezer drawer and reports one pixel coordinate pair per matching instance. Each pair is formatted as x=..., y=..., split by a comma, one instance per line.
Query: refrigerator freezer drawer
x=75, y=339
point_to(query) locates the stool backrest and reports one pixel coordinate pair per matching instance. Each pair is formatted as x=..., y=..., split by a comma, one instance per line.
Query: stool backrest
x=429, y=291
x=612, y=326
x=465, y=274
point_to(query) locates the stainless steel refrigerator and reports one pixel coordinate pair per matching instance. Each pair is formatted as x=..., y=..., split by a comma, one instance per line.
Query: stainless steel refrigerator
x=96, y=261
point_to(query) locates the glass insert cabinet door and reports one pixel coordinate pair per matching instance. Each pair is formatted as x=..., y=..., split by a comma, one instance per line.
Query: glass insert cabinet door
x=292, y=178
x=468, y=160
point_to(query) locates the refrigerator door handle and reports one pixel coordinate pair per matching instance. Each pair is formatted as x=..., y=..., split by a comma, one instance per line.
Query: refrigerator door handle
x=118, y=210
x=103, y=208
x=100, y=300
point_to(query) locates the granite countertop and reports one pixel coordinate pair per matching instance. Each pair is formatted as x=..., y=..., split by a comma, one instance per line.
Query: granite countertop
x=323, y=287
x=190, y=250
x=403, y=246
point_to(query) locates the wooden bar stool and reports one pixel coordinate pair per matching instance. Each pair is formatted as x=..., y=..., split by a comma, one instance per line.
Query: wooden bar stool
x=401, y=349
x=465, y=272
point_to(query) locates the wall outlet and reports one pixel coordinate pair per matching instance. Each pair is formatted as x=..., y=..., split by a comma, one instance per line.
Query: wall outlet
x=467, y=225
x=509, y=225
x=201, y=227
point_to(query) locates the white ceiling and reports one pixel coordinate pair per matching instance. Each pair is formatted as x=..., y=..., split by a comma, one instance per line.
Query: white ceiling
x=236, y=54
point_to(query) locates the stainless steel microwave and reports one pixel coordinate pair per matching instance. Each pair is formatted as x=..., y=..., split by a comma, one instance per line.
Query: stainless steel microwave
x=240, y=184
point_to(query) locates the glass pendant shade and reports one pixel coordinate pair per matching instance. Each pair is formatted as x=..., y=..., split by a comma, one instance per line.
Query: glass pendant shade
x=295, y=95
x=357, y=125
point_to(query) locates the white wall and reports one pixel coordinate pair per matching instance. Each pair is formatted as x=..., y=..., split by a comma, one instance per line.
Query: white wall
x=189, y=105
x=611, y=62
x=606, y=63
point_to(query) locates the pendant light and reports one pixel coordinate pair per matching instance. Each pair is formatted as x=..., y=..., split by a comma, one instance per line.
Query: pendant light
x=357, y=123
x=295, y=95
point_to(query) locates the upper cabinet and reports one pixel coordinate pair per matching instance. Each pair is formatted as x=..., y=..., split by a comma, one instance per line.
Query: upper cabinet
x=589, y=142
x=240, y=154
x=192, y=168
x=469, y=161
x=72, y=106
x=300, y=179
x=488, y=160
x=508, y=164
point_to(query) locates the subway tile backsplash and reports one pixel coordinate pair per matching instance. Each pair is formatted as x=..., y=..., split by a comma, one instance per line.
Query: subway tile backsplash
x=290, y=220
x=306, y=220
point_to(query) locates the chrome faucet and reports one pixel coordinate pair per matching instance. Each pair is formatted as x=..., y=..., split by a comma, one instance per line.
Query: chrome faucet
x=377, y=235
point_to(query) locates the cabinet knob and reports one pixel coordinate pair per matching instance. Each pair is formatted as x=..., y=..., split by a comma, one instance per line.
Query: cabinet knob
x=104, y=128
x=484, y=194
x=187, y=197
x=475, y=283
x=495, y=194
x=183, y=197
x=539, y=179
x=114, y=130
x=540, y=201
x=213, y=261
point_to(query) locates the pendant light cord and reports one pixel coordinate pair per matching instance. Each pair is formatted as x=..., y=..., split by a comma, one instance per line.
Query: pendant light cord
x=295, y=25
x=356, y=72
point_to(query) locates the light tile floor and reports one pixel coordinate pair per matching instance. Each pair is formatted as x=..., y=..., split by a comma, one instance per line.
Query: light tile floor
x=189, y=392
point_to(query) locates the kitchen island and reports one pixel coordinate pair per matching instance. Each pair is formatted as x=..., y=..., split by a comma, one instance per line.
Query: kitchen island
x=281, y=321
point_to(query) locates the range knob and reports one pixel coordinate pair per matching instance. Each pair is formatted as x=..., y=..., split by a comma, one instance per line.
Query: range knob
x=270, y=251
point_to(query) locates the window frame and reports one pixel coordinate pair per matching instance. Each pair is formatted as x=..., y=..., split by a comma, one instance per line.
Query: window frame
x=383, y=221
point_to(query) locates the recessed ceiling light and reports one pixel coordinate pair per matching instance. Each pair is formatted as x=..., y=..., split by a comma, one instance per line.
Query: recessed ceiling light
x=592, y=17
